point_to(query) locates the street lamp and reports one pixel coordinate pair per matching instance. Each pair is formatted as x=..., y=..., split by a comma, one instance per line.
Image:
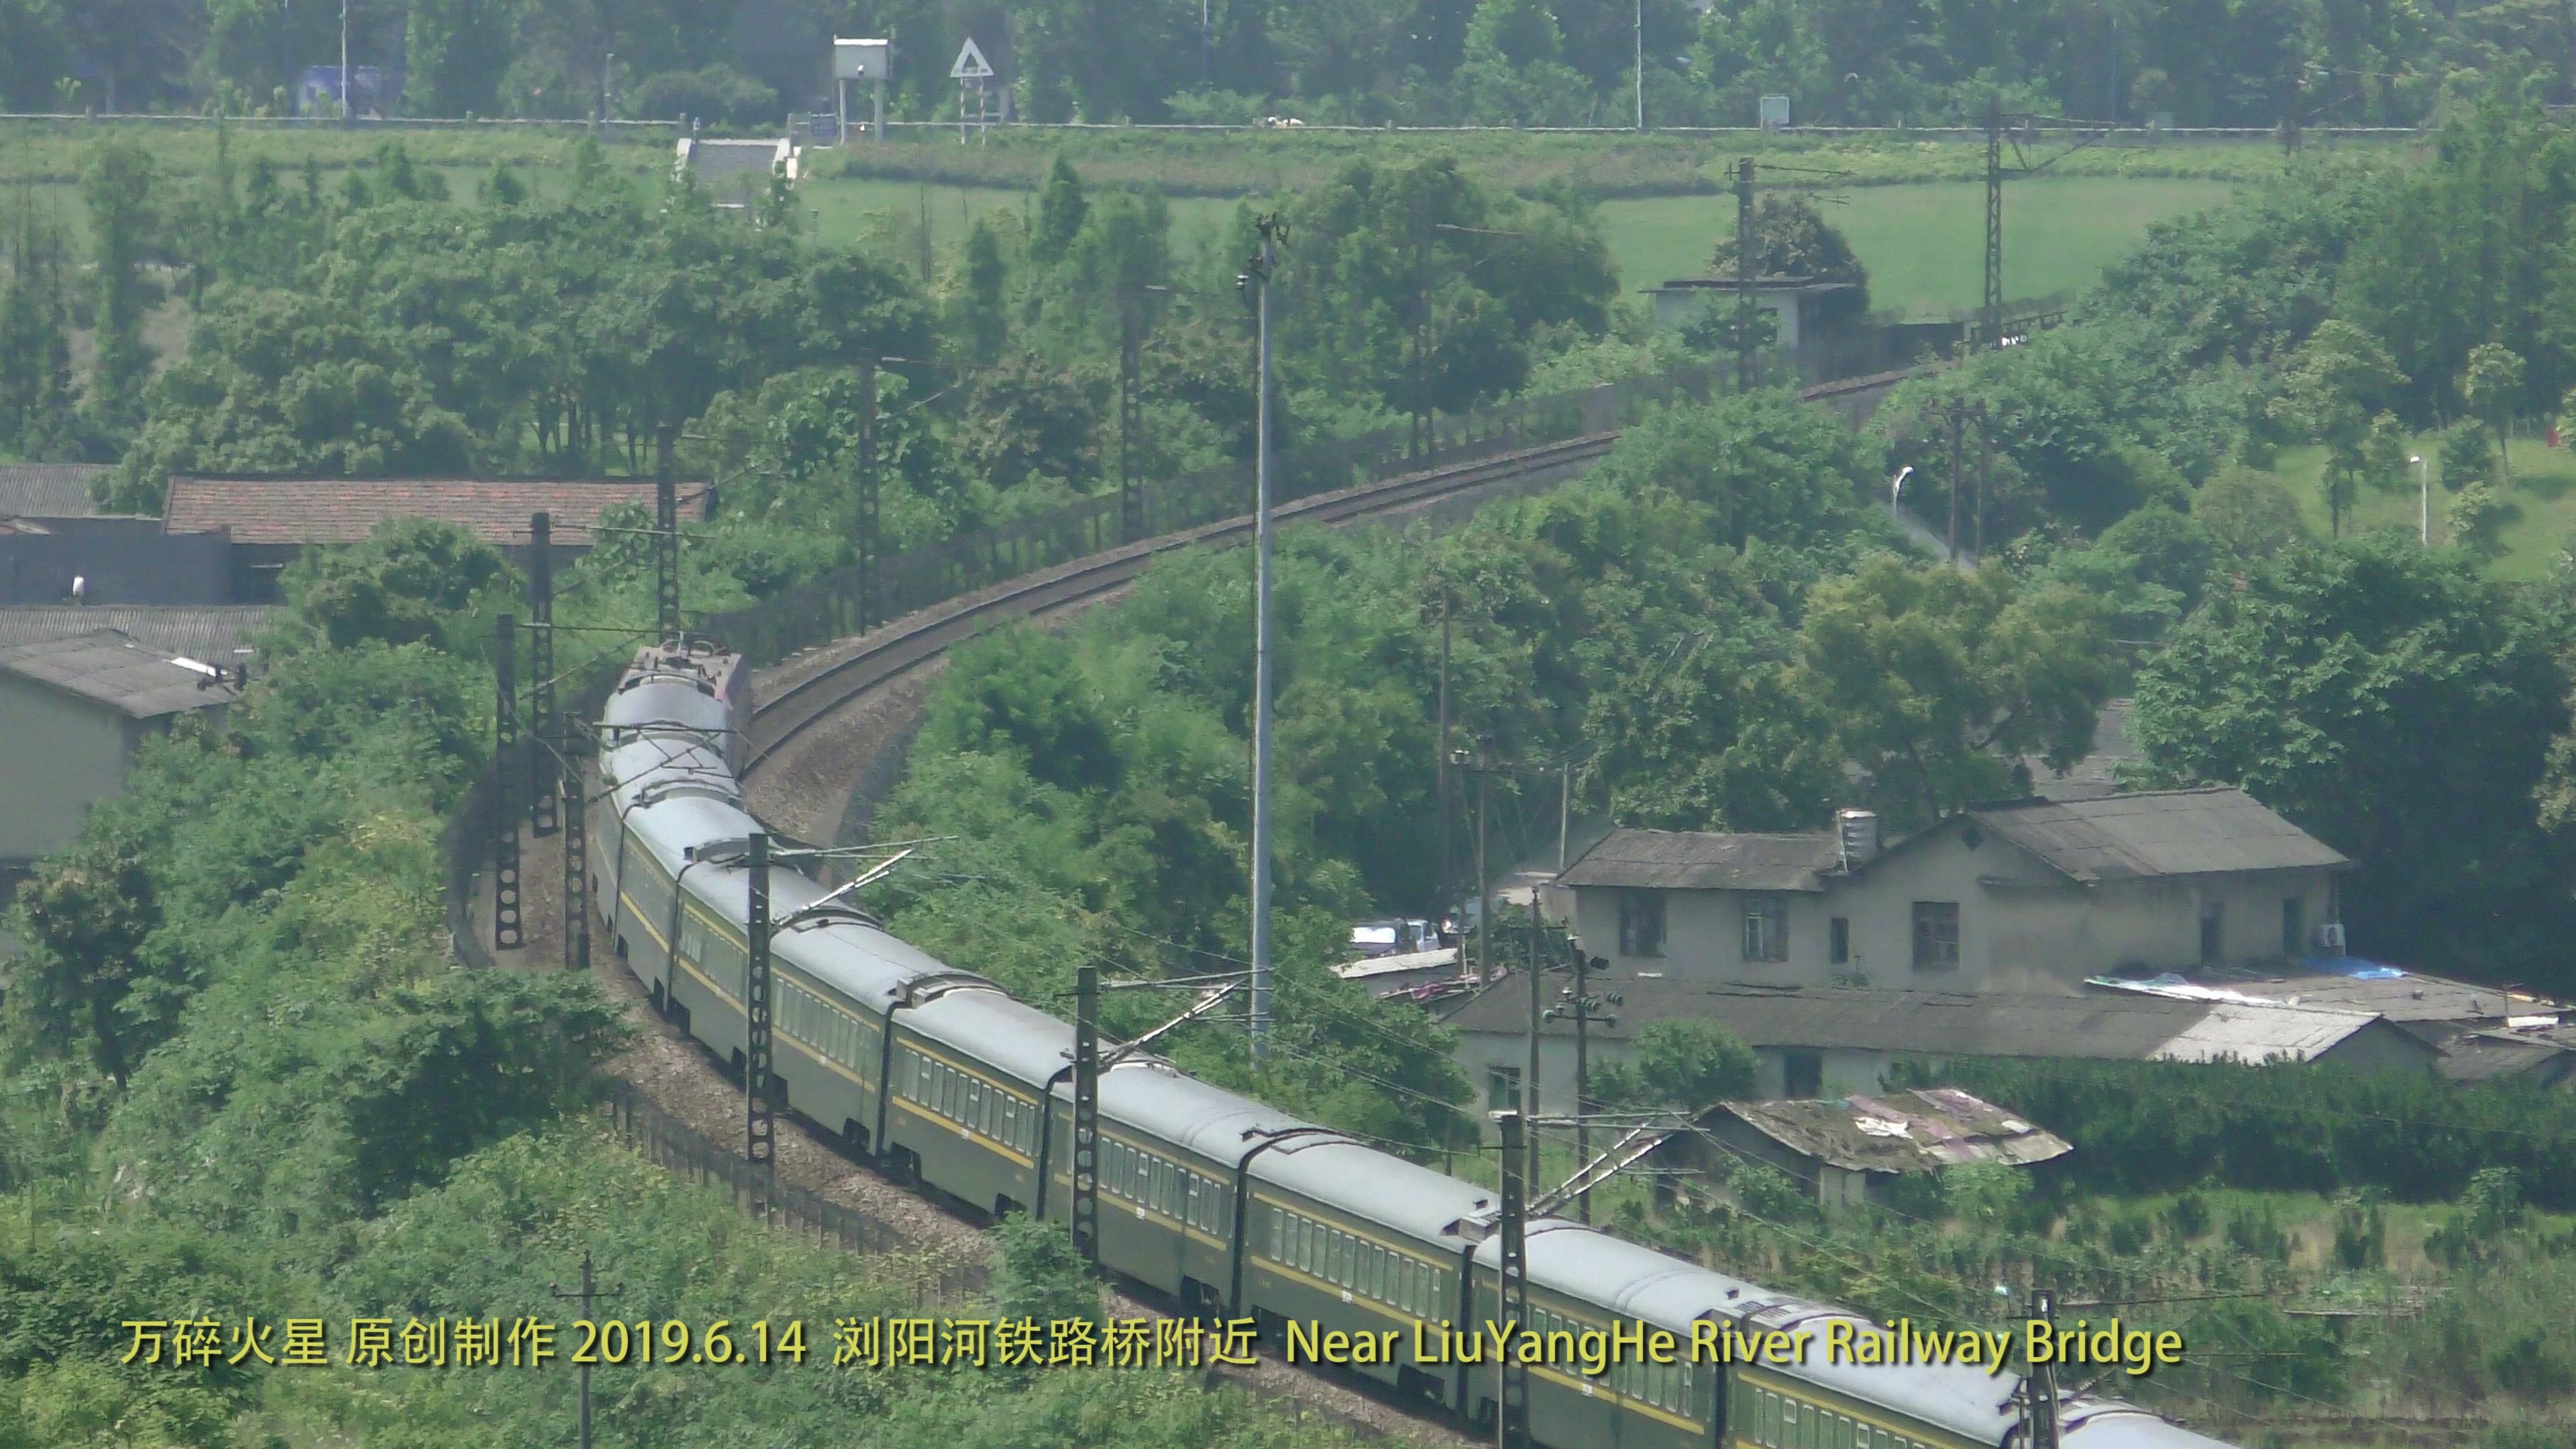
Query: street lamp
x=1896, y=487
x=2424, y=480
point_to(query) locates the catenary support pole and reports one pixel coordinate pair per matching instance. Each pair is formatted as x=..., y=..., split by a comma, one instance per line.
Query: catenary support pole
x=759, y=1082
x=546, y=722
x=1511, y=1389
x=1086, y=1113
x=508, y=931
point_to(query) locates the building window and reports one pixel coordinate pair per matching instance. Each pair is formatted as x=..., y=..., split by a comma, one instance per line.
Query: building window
x=1839, y=944
x=2294, y=925
x=1503, y=1088
x=1802, y=1074
x=2213, y=931
x=1766, y=928
x=1936, y=935
x=1641, y=923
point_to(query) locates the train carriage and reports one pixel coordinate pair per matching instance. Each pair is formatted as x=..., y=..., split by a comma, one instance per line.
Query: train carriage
x=1205, y=1195
x=1353, y=1239
x=968, y=1068
x=1171, y=1153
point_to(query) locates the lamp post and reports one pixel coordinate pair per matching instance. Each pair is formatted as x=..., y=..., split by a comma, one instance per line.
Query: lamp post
x=1895, y=489
x=2424, y=482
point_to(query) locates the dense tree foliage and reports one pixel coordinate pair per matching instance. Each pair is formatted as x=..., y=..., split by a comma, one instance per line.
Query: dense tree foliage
x=2401, y=708
x=1840, y=62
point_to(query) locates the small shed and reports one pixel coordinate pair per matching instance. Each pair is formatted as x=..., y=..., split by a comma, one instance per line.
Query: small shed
x=1847, y=1150
x=74, y=711
x=1797, y=305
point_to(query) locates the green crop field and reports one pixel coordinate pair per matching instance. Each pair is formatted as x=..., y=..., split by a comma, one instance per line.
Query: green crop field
x=1924, y=245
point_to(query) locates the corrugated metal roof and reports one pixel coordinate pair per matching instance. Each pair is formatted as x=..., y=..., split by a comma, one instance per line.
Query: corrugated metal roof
x=347, y=510
x=2233, y=1032
x=1706, y=860
x=1919, y=1131
x=48, y=490
x=2399, y=995
x=2157, y=833
x=111, y=669
x=210, y=633
x=2103, y=1026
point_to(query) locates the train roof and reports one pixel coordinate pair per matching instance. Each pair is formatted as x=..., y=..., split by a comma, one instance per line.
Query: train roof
x=1629, y=1280
x=2106, y=1424
x=1378, y=1186
x=666, y=702
x=1153, y=1095
x=986, y=1024
x=655, y=766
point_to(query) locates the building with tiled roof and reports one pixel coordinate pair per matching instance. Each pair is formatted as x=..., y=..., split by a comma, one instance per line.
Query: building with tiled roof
x=271, y=520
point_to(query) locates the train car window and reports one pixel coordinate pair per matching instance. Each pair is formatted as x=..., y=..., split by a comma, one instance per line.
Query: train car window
x=1306, y=1245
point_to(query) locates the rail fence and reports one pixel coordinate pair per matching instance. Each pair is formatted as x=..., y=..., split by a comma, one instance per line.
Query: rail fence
x=685, y=1152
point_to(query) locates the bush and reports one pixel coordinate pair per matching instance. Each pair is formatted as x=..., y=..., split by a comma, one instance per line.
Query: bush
x=718, y=94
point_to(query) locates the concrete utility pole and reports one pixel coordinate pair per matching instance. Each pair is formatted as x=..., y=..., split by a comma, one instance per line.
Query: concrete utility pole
x=1440, y=766
x=1746, y=300
x=1271, y=231
x=589, y=1292
x=1985, y=473
x=1993, y=315
x=1641, y=64
x=348, y=91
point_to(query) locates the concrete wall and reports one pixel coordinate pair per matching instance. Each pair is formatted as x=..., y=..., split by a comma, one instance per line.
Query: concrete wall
x=124, y=560
x=64, y=753
x=2022, y=927
x=1845, y=1069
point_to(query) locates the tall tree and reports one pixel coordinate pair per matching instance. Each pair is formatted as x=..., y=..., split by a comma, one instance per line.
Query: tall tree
x=37, y=413
x=2399, y=707
x=1935, y=680
x=124, y=228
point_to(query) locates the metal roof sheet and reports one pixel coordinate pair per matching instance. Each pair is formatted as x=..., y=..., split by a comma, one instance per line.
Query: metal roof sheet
x=2153, y=833
x=2234, y=1032
x=208, y=632
x=2101, y=1026
x=108, y=668
x=1916, y=1131
x=1706, y=860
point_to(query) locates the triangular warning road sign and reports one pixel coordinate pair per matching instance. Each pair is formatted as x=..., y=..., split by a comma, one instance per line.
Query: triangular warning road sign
x=971, y=64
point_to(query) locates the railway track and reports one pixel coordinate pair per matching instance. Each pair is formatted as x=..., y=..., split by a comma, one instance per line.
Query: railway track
x=812, y=688
x=793, y=697
x=780, y=719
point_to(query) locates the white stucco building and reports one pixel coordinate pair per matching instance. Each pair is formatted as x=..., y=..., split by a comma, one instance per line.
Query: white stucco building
x=2031, y=895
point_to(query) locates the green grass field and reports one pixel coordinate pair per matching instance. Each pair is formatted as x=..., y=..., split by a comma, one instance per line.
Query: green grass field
x=2540, y=521
x=1924, y=245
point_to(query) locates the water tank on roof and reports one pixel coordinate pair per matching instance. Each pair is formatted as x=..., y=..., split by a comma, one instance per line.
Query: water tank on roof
x=1858, y=831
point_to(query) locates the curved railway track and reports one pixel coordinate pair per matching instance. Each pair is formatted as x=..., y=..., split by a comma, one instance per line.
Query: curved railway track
x=796, y=698
x=814, y=694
